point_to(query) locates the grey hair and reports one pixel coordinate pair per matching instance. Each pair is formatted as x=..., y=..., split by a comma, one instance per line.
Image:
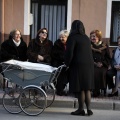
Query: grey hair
x=64, y=32
x=12, y=33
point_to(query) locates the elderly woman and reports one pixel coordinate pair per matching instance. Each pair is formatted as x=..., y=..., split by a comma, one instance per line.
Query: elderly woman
x=58, y=52
x=59, y=49
x=39, y=49
x=14, y=47
x=101, y=58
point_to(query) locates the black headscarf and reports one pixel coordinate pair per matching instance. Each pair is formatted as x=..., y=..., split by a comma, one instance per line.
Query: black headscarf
x=77, y=27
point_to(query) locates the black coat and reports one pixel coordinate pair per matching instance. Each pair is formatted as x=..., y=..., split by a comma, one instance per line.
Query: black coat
x=36, y=48
x=58, y=53
x=10, y=51
x=0, y=56
x=80, y=61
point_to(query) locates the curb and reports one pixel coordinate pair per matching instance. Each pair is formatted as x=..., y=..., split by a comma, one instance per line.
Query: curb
x=103, y=103
x=95, y=104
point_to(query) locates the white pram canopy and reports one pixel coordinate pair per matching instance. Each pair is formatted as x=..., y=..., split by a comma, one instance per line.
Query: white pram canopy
x=31, y=66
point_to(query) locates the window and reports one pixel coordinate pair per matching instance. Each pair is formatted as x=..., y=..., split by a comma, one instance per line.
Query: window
x=115, y=22
x=51, y=14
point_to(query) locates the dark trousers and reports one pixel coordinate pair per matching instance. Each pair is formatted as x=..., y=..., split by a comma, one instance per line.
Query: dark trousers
x=109, y=78
x=62, y=80
x=3, y=78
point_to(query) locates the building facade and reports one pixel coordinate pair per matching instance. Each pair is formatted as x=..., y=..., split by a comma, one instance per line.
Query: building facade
x=31, y=15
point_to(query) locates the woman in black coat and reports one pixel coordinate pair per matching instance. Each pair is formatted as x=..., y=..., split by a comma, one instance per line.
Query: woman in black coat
x=39, y=49
x=58, y=55
x=79, y=59
x=14, y=47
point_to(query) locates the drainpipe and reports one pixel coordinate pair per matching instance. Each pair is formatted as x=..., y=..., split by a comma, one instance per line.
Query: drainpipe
x=79, y=8
x=2, y=21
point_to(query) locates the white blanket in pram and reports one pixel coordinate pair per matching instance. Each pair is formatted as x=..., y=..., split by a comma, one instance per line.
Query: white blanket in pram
x=32, y=66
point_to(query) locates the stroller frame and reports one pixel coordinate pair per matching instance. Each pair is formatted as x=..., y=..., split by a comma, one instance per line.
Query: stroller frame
x=29, y=92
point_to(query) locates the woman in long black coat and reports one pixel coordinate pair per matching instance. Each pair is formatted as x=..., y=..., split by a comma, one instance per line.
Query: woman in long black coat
x=81, y=66
x=58, y=58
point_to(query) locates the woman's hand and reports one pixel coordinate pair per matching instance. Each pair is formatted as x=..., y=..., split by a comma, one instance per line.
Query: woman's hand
x=117, y=67
x=99, y=64
x=40, y=58
x=109, y=67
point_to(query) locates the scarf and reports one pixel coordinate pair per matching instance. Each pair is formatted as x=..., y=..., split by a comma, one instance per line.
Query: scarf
x=17, y=43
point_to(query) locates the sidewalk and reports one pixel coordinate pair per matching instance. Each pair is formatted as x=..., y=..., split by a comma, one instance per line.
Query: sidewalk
x=103, y=103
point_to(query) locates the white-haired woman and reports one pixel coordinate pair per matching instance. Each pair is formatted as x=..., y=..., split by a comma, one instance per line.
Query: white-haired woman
x=58, y=52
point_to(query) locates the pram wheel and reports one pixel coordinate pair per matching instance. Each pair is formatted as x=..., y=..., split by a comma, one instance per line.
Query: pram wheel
x=32, y=100
x=50, y=91
x=11, y=101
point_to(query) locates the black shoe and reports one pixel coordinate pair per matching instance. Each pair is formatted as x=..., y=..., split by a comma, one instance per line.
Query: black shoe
x=77, y=112
x=62, y=93
x=89, y=112
x=113, y=94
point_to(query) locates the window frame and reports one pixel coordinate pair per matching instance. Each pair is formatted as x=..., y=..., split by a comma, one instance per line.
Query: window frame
x=109, y=22
x=115, y=8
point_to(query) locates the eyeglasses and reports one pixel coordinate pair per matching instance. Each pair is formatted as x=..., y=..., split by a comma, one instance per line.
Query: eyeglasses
x=44, y=32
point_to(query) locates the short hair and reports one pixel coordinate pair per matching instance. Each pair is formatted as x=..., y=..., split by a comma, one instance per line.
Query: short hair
x=64, y=32
x=12, y=33
x=98, y=34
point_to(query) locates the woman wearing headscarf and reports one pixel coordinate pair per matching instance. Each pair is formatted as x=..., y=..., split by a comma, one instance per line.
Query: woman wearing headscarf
x=78, y=58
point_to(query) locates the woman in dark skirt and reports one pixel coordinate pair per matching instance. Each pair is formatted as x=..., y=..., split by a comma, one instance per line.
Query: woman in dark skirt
x=78, y=58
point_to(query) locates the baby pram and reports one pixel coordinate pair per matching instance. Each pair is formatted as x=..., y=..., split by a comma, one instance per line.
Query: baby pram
x=31, y=87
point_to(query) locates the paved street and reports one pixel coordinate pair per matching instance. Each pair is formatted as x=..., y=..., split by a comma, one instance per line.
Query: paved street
x=61, y=114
